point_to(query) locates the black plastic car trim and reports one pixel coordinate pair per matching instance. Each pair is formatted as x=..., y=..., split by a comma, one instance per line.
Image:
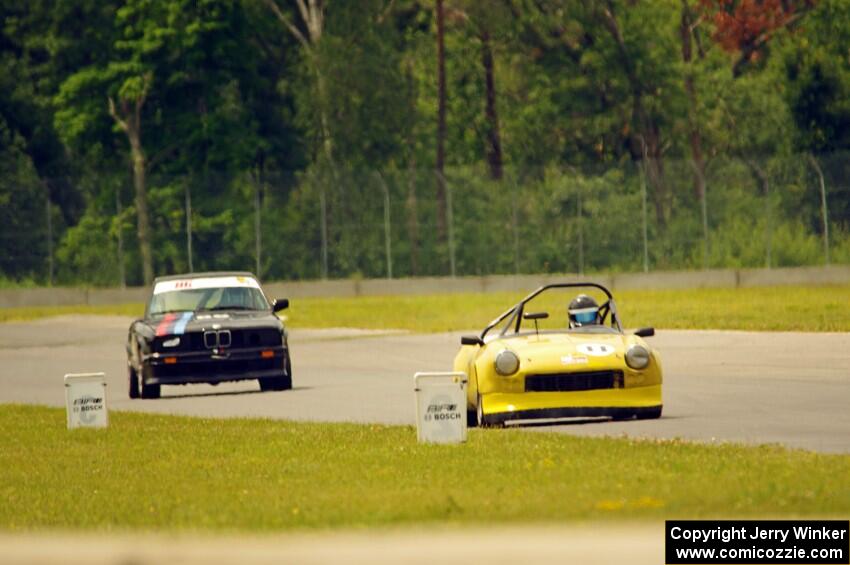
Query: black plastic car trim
x=574, y=381
x=204, y=354
x=571, y=412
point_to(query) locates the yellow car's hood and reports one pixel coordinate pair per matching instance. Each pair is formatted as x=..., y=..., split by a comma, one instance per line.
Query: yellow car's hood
x=568, y=350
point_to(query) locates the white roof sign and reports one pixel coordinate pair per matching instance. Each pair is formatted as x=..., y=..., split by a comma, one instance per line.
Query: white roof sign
x=205, y=282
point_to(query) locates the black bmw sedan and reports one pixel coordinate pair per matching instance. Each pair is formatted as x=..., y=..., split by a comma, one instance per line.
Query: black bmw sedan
x=208, y=328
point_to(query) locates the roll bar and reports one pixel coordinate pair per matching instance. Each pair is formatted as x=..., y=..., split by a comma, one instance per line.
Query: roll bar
x=517, y=309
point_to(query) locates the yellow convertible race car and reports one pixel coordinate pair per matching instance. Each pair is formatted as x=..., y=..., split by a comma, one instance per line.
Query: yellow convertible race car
x=528, y=366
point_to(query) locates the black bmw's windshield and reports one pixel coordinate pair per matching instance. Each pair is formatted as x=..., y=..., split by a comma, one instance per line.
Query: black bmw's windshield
x=195, y=299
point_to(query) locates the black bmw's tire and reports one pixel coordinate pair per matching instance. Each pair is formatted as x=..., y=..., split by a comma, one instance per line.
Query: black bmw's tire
x=150, y=391
x=651, y=414
x=283, y=382
x=133, y=379
x=288, y=371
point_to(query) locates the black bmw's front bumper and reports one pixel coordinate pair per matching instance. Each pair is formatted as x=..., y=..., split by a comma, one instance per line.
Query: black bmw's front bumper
x=207, y=367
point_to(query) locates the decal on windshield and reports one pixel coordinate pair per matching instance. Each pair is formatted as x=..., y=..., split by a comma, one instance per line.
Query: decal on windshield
x=206, y=282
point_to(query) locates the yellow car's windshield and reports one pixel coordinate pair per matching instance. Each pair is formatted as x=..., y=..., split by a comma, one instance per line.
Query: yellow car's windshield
x=549, y=311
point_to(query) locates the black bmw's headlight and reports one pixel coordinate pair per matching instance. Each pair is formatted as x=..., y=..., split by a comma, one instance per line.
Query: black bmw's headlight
x=171, y=342
x=637, y=357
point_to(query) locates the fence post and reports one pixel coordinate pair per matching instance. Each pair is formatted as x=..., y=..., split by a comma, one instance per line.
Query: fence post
x=450, y=221
x=515, y=225
x=189, y=226
x=763, y=179
x=49, y=234
x=324, y=227
x=258, y=235
x=768, y=205
x=704, y=206
x=643, y=213
x=121, y=272
x=387, y=226
x=580, y=234
x=824, y=209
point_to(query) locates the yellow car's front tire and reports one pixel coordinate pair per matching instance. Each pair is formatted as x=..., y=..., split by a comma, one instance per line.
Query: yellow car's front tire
x=643, y=414
x=651, y=414
x=485, y=421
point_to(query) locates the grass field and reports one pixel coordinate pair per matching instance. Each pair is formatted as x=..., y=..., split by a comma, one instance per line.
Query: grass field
x=37, y=312
x=168, y=472
x=818, y=308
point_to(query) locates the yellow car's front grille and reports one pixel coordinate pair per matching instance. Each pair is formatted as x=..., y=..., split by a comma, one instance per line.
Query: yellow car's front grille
x=568, y=382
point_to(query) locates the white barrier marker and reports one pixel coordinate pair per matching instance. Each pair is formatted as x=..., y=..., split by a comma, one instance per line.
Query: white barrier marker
x=85, y=400
x=440, y=407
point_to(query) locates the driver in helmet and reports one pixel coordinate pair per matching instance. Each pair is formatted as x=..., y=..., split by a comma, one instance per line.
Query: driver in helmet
x=583, y=311
x=234, y=297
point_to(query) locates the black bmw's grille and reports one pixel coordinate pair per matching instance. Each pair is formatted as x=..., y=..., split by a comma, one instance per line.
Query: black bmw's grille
x=568, y=382
x=194, y=341
x=255, y=338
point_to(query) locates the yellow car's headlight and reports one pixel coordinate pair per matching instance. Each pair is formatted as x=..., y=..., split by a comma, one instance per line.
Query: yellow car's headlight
x=507, y=362
x=637, y=357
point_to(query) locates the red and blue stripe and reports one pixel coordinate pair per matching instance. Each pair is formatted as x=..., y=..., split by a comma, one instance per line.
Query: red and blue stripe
x=173, y=324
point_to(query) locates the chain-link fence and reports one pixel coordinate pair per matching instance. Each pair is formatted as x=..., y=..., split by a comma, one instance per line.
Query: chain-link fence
x=342, y=221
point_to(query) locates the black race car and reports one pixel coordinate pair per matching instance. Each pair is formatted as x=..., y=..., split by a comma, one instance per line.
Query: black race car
x=208, y=328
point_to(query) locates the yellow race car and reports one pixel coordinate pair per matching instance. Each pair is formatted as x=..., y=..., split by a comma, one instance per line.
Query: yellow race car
x=526, y=365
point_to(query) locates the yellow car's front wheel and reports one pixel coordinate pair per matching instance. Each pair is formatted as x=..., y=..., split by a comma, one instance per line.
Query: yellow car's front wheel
x=485, y=421
x=650, y=414
x=643, y=414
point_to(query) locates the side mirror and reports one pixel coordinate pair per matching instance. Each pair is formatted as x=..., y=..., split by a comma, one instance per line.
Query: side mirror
x=645, y=332
x=535, y=315
x=280, y=304
x=471, y=340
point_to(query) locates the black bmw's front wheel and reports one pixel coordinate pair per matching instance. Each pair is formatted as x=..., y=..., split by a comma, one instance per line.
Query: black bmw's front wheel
x=133, y=378
x=282, y=382
x=150, y=391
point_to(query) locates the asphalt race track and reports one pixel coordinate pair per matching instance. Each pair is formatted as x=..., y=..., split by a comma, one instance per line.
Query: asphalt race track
x=787, y=388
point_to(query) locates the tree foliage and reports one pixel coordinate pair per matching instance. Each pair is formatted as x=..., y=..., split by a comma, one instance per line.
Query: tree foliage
x=280, y=135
